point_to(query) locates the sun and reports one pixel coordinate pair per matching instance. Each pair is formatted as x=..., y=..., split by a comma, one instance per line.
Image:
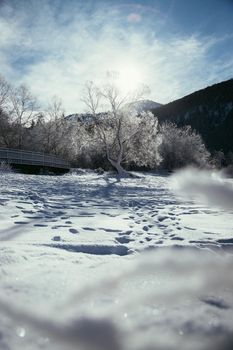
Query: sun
x=129, y=76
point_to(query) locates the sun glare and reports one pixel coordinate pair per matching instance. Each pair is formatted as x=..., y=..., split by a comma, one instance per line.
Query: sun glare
x=129, y=77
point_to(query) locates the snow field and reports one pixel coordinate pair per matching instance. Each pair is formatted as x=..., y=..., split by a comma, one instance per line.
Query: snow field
x=91, y=262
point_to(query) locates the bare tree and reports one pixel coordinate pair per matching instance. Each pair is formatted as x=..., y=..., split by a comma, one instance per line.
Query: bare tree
x=52, y=129
x=119, y=127
x=4, y=92
x=7, y=132
x=23, y=110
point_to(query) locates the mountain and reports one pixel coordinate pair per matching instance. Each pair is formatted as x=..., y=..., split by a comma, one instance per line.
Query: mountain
x=209, y=111
x=81, y=117
x=137, y=106
x=142, y=105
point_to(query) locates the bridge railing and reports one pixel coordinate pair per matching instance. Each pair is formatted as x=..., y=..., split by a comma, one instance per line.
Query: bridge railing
x=15, y=156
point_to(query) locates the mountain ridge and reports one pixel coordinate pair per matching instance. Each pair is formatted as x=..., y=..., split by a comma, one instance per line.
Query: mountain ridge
x=209, y=111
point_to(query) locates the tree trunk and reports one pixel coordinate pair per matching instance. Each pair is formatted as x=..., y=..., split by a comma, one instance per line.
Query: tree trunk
x=117, y=165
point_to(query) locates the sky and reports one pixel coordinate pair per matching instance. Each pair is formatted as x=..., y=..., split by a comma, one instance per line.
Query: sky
x=173, y=46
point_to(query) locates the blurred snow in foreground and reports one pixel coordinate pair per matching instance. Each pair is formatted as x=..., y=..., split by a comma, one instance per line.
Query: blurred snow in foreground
x=210, y=187
x=88, y=262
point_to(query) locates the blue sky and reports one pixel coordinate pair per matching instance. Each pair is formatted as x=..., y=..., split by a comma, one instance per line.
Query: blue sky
x=173, y=46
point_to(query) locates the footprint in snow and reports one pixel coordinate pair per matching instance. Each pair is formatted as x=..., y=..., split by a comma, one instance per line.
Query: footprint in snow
x=128, y=232
x=28, y=212
x=59, y=226
x=177, y=238
x=21, y=222
x=162, y=226
x=108, y=229
x=73, y=230
x=167, y=230
x=56, y=238
x=159, y=242
x=162, y=218
x=40, y=225
x=123, y=239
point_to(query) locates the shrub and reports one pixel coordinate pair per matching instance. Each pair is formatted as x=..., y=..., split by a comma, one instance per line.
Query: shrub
x=181, y=147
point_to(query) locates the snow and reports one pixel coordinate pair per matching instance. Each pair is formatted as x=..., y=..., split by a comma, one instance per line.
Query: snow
x=91, y=262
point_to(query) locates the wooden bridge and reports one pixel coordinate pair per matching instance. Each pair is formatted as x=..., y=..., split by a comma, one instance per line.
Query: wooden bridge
x=33, y=162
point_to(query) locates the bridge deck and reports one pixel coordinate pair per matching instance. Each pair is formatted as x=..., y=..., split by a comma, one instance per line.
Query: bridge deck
x=22, y=157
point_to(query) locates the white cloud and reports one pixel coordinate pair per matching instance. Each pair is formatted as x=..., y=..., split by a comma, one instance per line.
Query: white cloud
x=69, y=47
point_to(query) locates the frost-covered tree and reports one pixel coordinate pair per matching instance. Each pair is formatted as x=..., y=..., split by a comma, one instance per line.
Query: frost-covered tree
x=182, y=147
x=142, y=150
x=22, y=110
x=218, y=159
x=125, y=136
x=86, y=149
x=51, y=130
x=223, y=161
x=4, y=93
x=7, y=133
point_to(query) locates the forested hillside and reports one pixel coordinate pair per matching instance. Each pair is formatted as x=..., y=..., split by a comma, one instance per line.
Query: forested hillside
x=209, y=111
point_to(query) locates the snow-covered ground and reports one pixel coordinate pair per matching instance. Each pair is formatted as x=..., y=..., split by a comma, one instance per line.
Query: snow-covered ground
x=91, y=262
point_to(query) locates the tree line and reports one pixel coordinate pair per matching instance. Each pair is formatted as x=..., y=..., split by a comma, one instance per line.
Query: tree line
x=119, y=138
